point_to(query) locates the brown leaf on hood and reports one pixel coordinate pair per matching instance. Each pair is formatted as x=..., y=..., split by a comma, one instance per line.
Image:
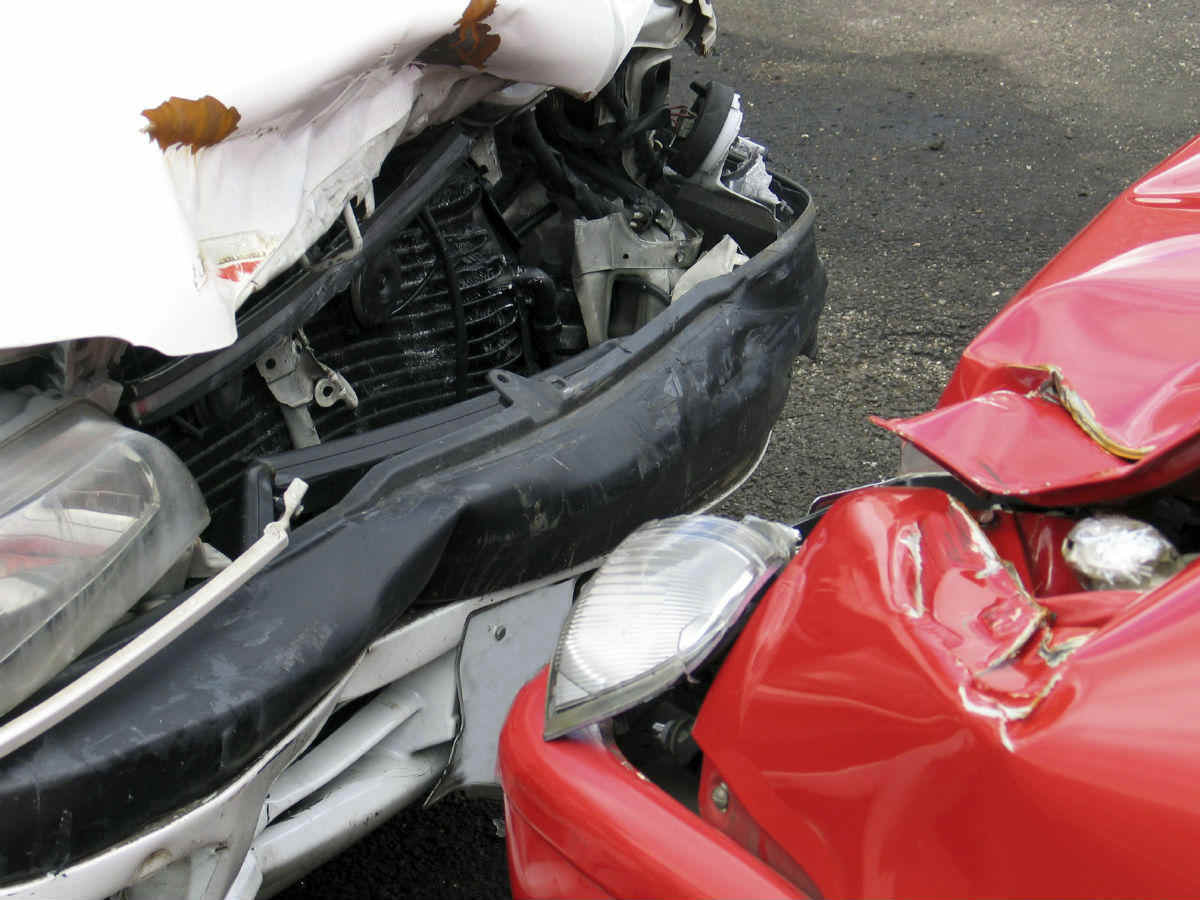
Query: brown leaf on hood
x=193, y=123
x=471, y=42
x=475, y=41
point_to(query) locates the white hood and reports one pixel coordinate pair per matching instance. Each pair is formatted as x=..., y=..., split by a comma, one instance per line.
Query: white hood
x=110, y=235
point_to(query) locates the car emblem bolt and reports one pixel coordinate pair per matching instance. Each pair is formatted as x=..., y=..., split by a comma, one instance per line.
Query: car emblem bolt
x=720, y=796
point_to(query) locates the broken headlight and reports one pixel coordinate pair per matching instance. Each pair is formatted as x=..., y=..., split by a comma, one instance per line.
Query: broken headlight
x=1108, y=551
x=655, y=610
x=92, y=515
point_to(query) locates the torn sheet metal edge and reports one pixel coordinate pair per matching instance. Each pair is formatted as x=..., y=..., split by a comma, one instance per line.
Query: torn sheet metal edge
x=1057, y=390
x=1071, y=469
x=1131, y=248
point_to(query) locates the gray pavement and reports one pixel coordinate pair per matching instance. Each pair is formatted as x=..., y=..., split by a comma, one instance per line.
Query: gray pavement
x=952, y=148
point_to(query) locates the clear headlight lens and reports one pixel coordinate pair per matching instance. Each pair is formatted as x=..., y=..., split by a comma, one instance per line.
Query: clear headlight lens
x=655, y=610
x=92, y=514
x=1109, y=551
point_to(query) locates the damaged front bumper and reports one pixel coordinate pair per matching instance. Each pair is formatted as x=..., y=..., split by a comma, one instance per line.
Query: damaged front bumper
x=519, y=486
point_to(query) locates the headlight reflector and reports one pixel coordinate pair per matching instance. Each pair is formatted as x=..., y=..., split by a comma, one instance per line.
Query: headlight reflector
x=92, y=515
x=654, y=611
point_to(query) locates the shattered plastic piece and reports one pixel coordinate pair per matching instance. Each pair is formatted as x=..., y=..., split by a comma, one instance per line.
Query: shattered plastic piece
x=1114, y=552
x=193, y=123
x=752, y=180
x=720, y=259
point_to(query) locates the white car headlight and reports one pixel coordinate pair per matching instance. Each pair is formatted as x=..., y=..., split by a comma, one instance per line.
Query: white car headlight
x=92, y=515
x=655, y=610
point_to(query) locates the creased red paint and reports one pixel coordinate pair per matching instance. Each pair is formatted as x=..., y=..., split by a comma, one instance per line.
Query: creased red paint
x=1110, y=325
x=860, y=741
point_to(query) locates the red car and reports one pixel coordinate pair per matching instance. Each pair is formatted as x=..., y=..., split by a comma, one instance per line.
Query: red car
x=978, y=679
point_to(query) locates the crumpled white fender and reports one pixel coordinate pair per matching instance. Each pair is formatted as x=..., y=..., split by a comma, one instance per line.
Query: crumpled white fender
x=112, y=235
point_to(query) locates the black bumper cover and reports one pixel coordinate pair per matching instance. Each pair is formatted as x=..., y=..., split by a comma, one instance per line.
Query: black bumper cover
x=566, y=465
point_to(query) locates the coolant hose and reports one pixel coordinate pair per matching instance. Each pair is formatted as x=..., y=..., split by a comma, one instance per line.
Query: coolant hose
x=560, y=178
x=546, y=324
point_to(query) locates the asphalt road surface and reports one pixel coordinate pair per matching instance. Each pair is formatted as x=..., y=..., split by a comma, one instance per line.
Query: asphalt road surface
x=952, y=146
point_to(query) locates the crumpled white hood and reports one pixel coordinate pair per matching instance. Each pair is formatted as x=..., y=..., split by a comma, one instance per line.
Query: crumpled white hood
x=110, y=235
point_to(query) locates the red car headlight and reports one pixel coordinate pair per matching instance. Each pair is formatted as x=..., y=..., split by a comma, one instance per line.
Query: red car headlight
x=655, y=610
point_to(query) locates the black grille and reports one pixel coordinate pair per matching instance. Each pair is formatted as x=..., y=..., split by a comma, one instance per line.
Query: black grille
x=400, y=368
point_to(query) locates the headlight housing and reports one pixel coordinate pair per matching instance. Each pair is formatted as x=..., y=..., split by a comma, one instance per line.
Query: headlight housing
x=92, y=515
x=655, y=610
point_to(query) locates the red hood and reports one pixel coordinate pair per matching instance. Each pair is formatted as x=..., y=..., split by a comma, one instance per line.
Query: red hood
x=1086, y=387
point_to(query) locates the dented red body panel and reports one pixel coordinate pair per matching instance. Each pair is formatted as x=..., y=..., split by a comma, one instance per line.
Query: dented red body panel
x=1086, y=387
x=927, y=703
x=884, y=721
x=583, y=823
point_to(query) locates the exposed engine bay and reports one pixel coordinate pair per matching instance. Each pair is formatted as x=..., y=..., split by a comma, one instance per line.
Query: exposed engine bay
x=514, y=239
x=429, y=309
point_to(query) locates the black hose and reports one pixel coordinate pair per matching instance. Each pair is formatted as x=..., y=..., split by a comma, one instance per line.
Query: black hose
x=624, y=188
x=603, y=136
x=616, y=105
x=531, y=360
x=592, y=139
x=616, y=181
x=545, y=212
x=550, y=165
x=460, y=316
x=546, y=324
x=656, y=118
x=557, y=174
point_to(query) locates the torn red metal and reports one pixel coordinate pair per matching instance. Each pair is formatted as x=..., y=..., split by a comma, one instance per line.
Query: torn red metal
x=1086, y=387
x=914, y=724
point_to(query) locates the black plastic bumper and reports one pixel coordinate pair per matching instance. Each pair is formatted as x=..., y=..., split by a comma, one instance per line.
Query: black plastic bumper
x=548, y=473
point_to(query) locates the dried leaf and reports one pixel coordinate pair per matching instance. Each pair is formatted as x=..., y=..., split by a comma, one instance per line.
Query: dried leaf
x=470, y=43
x=475, y=42
x=193, y=123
